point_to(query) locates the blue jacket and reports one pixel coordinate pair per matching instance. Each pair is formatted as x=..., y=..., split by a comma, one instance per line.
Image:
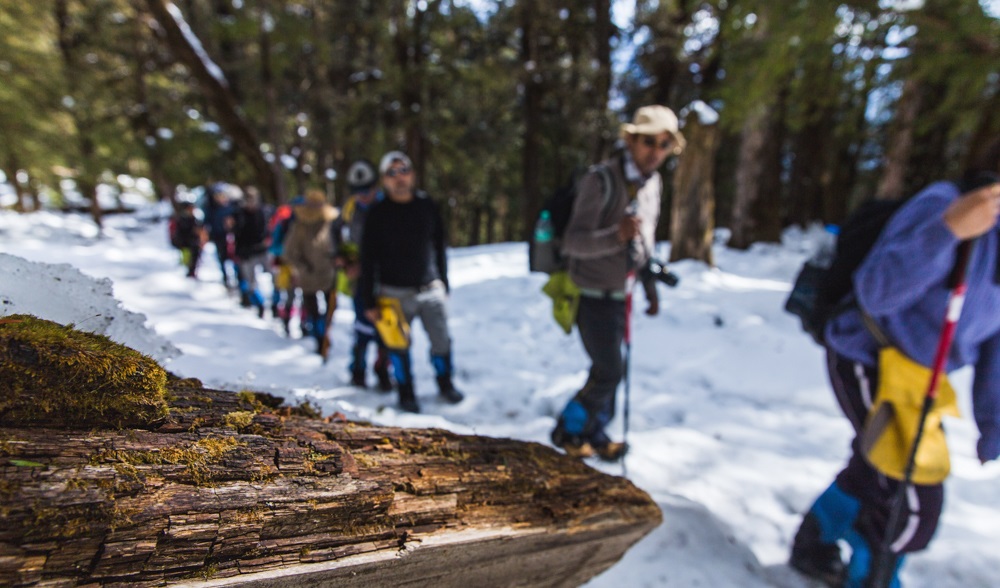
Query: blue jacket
x=902, y=284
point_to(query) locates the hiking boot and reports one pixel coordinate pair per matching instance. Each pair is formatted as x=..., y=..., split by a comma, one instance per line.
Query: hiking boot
x=358, y=379
x=260, y=310
x=384, y=380
x=572, y=445
x=408, y=399
x=816, y=559
x=245, y=299
x=611, y=451
x=447, y=391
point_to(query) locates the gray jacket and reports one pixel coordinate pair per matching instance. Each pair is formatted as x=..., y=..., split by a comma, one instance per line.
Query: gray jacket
x=596, y=258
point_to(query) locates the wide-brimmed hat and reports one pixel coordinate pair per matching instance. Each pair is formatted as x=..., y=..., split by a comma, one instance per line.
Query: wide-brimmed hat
x=361, y=176
x=314, y=208
x=653, y=120
x=391, y=157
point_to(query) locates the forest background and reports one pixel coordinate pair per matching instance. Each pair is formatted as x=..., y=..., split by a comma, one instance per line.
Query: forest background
x=820, y=103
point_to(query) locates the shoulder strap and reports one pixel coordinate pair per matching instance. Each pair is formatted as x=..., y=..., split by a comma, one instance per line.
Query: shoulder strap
x=607, y=188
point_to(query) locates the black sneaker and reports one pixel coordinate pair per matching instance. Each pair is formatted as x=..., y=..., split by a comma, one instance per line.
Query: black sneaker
x=409, y=406
x=358, y=379
x=384, y=381
x=817, y=560
x=447, y=391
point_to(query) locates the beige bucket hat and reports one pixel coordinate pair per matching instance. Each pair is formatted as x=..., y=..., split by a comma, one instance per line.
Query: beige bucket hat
x=653, y=120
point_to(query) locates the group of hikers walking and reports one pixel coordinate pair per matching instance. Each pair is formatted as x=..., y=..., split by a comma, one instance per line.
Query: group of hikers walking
x=389, y=259
x=387, y=245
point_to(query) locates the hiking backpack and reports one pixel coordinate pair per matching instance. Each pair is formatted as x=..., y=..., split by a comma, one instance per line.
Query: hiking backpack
x=544, y=247
x=822, y=286
x=174, y=234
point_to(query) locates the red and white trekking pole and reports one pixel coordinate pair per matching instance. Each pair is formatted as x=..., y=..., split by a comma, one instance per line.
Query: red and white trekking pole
x=884, y=564
x=629, y=286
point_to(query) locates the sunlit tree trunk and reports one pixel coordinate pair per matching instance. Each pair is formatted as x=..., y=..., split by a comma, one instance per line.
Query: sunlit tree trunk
x=892, y=184
x=692, y=217
x=757, y=204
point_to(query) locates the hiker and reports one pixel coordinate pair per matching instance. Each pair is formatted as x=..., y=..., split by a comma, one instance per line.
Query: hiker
x=188, y=235
x=903, y=287
x=218, y=211
x=403, y=263
x=309, y=249
x=283, y=294
x=362, y=181
x=250, y=237
x=606, y=242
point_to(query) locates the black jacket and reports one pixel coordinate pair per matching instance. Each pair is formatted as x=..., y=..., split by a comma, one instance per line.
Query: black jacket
x=402, y=245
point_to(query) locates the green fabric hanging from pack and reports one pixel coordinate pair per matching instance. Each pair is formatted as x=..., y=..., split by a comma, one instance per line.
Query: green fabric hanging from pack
x=565, y=299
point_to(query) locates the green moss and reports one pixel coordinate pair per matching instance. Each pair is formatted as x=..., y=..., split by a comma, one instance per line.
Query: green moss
x=196, y=457
x=250, y=397
x=238, y=420
x=58, y=376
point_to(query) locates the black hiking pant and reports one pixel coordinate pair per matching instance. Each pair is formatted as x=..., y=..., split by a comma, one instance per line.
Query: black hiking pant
x=601, y=322
x=855, y=386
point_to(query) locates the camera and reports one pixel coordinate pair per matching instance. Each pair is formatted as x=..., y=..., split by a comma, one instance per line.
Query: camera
x=659, y=271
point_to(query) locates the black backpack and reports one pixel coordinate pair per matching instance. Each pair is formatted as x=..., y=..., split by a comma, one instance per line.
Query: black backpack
x=821, y=292
x=544, y=253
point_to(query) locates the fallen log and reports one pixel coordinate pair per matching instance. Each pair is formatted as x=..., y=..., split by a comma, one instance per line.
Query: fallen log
x=219, y=488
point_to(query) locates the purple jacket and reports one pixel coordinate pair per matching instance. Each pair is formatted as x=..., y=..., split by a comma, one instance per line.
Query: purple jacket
x=903, y=284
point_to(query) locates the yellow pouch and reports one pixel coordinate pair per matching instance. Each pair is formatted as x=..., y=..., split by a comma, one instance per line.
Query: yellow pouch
x=283, y=278
x=565, y=299
x=392, y=326
x=891, y=425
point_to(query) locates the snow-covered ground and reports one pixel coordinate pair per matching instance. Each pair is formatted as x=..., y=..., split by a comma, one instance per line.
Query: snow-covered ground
x=733, y=427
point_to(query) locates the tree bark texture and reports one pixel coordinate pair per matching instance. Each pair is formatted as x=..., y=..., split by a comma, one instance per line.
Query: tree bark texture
x=692, y=215
x=892, y=184
x=231, y=491
x=756, y=207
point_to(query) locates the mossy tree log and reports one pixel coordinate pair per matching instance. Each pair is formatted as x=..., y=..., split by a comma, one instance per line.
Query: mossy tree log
x=228, y=488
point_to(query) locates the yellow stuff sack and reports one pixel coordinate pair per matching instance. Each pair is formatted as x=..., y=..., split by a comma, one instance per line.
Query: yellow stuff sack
x=891, y=425
x=392, y=326
x=565, y=299
x=283, y=277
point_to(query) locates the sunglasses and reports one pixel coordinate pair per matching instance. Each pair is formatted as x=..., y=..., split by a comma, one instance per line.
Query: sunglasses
x=397, y=171
x=652, y=142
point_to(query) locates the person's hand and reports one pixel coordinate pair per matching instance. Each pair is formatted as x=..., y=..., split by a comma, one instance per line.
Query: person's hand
x=652, y=297
x=373, y=315
x=628, y=228
x=974, y=213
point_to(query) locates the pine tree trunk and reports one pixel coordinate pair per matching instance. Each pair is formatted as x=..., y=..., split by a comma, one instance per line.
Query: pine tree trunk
x=756, y=212
x=692, y=216
x=219, y=95
x=892, y=184
x=226, y=488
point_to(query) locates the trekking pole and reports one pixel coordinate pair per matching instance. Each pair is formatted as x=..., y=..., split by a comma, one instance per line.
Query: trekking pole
x=331, y=306
x=884, y=564
x=628, y=360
